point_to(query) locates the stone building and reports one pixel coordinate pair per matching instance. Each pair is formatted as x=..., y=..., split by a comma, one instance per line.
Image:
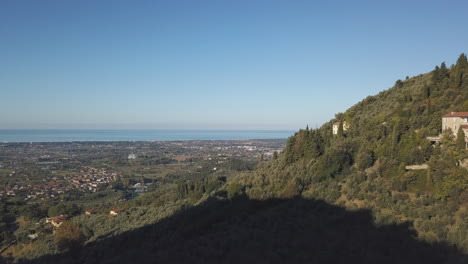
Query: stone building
x=454, y=120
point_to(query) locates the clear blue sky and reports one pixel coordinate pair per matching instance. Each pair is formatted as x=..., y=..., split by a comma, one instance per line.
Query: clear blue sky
x=212, y=64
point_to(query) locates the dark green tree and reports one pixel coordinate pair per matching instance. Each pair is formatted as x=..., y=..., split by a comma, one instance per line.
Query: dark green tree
x=428, y=106
x=117, y=185
x=62, y=209
x=396, y=135
x=261, y=158
x=365, y=158
x=461, y=144
x=234, y=189
x=275, y=155
x=69, y=236
x=340, y=130
x=399, y=83
x=444, y=73
x=462, y=61
x=460, y=73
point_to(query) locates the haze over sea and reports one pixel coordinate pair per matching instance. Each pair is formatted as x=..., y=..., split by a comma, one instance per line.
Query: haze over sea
x=68, y=135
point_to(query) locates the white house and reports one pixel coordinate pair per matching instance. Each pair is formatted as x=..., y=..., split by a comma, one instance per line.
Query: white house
x=337, y=125
x=116, y=211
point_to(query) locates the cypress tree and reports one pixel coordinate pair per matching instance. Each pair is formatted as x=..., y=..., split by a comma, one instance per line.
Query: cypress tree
x=428, y=108
x=396, y=136
x=462, y=61
x=440, y=73
x=461, y=68
x=461, y=144
x=443, y=70
x=340, y=129
x=427, y=91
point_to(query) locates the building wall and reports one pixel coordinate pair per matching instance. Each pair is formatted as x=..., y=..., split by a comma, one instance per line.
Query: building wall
x=345, y=126
x=335, y=129
x=56, y=224
x=453, y=123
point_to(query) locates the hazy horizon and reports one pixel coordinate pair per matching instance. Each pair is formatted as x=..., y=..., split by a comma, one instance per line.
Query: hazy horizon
x=141, y=129
x=249, y=65
x=147, y=127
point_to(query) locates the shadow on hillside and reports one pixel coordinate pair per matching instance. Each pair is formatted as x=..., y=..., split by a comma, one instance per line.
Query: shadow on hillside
x=272, y=231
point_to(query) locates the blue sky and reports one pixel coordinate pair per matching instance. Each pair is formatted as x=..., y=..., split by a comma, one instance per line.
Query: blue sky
x=212, y=64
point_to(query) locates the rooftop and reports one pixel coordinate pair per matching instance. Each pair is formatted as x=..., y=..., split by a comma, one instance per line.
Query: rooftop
x=456, y=114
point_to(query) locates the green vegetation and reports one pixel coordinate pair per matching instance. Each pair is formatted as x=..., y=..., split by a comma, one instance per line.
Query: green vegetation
x=364, y=166
x=348, y=197
x=69, y=236
x=243, y=230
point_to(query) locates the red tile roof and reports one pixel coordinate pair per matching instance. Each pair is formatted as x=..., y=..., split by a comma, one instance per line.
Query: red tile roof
x=59, y=219
x=464, y=126
x=456, y=114
x=118, y=210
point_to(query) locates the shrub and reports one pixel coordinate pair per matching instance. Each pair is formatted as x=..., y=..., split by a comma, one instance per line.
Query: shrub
x=69, y=236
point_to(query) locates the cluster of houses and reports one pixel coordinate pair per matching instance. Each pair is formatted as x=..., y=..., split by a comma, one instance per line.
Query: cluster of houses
x=8, y=192
x=111, y=212
x=56, y=221
x=33, y=191
x=89, y=180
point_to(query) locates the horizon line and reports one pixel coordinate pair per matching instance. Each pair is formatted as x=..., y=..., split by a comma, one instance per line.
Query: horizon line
x=178, y=129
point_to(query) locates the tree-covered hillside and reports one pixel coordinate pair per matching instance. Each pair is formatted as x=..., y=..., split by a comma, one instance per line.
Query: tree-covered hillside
x=347, y=197
x=243, y=230
x=364, y=166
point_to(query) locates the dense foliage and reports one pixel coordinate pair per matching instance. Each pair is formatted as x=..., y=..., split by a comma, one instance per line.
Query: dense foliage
x=364, y=166
x=243, y=230
x=344, y=198
x=69, y=236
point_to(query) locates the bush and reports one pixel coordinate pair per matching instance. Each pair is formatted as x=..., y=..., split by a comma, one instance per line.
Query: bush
x=69, y=236
x=234, y=189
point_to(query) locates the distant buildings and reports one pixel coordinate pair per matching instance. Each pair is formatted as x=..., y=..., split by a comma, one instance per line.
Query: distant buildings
x=90, y=211
x=58, y=220
x=117, y=211
x=337, y=125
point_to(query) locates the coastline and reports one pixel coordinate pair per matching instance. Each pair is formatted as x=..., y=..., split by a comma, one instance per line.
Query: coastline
x=133, y=135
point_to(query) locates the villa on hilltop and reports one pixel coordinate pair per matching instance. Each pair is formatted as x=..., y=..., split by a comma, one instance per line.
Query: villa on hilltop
x=337, y=125
x=455, y=120
x=452, y=122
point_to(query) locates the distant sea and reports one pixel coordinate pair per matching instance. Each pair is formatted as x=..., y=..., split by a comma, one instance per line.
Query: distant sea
x=59, y=135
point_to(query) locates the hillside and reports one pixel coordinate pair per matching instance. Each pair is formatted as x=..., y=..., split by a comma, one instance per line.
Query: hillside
x=243, y=230
x=327, y=198
x=364, y=166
